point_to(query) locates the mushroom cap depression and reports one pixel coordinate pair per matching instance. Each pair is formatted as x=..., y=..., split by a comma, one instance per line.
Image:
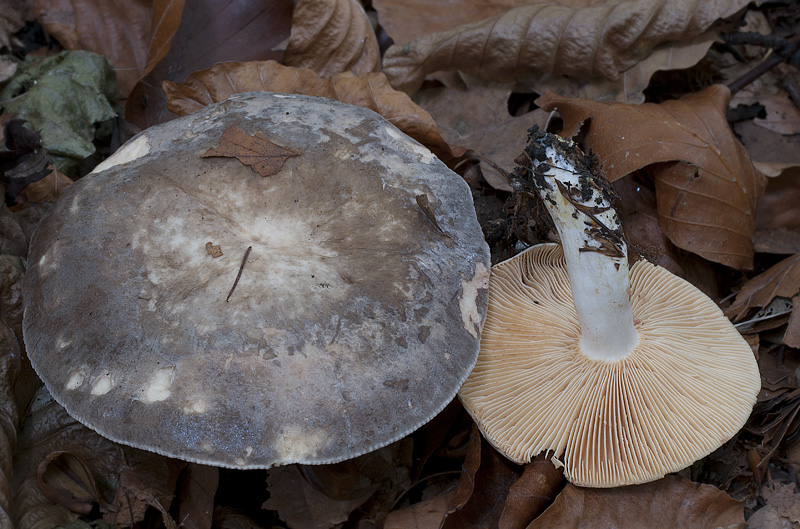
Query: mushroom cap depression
x=688, y=386
x=355, y=320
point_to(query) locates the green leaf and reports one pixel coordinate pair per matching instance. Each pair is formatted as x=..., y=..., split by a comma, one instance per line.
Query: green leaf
x=66, y=97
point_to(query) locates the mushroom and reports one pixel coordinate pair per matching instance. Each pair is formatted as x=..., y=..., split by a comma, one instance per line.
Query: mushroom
x=354, y=318
x=622, y=376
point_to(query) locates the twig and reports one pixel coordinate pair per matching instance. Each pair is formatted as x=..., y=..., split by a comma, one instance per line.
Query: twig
x=239, y=275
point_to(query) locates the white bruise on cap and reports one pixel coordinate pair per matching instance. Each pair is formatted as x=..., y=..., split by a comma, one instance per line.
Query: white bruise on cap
x=158, y=388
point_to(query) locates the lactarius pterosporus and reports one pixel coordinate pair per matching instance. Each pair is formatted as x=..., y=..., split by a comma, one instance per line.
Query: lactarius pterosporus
x=622, y=376
x=360, y=277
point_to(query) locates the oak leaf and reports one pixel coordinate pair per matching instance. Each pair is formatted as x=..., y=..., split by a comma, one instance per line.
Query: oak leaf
x=596, y=41
x=371, y=90
x=707, y=193
x=256, y=151
x=332, y=36
x=669, y=502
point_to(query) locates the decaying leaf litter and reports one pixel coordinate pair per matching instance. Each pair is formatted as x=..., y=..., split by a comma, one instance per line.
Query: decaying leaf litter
x=700, y=212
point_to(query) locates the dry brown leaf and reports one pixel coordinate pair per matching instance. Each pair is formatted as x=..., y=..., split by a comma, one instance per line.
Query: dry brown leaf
x=165, y=20
x=629, y=87
x=303, y=506
x=332, y=36
x=197, y=486
x=600, y=40
x=209, y=32
x=778, y=214
x=495, y=493
x=426, y=514
x=66, y=480
x=406, y=20
x=48, y=189
x=477, y=118
x=371, y=91
x=13, y=14
x=118, y=29
x=707, y=195
x=257, y=152
x=672, y=501
x=782, y=279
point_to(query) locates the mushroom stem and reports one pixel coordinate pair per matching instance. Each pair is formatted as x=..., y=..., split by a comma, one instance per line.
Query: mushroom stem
x=580, y=202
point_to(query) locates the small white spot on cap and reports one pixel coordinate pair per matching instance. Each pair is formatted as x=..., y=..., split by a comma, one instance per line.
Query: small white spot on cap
x=76, y=379
x=207, y=447
x=240, y=461
x=446, y=355
x=195, y=407
x=102, y=384
x=248, y=451
x=157, y=388
x=60, y=343
x=426, y=155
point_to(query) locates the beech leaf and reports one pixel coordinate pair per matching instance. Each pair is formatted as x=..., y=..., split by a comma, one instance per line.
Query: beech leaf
x=669, y=502
x=371, y=90
x=782, y=279
x=596, y=41
x=256, y=151
x=117, y=29
x=189, y=35
x=332, y=36
x=707, y=203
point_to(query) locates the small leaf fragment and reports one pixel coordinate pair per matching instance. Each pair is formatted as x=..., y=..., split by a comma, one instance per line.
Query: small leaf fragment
x=214, y=250
x=256, y=151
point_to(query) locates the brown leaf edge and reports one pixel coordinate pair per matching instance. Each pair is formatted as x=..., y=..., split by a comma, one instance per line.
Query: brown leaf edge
x=371, y=91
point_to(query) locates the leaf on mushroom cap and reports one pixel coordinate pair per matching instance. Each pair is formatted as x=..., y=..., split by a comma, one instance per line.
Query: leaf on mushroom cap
x=354, y=321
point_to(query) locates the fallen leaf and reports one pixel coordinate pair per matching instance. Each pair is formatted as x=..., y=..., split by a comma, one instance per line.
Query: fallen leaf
x=778, y=220
x=370, y=90
x=478, y=119
x=782, y=279
x=197, y=485
x=118, y=29
x=67, y=481
x=257, y=152
x=13, y=14
x=209, y=32
x=630, y=85
x=48, y=189
x=707, y=194
x=600, y=40
x=494, y=492
x=672, y=501
x=66, y=97
x=165, y=21
x=302, y=506
x=784, y=498
x=426, y=514
x=332, y=36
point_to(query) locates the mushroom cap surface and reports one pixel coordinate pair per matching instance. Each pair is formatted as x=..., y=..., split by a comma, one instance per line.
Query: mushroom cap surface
x=355, y=319
x=688, y=386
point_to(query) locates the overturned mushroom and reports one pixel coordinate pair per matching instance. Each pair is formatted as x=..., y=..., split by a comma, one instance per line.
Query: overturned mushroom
x=620, y=381
x=354, y=318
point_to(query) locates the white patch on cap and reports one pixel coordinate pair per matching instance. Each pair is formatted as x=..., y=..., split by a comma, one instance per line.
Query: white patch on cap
x=296, y=444
x=158, y=387
x=426, y=155
x=102, y=384
x=468, y=303
x=195, y=407
x=132, y=150
x=75, y=379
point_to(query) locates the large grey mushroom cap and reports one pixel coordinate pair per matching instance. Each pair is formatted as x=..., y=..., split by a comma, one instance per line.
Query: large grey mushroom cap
x=355, y=320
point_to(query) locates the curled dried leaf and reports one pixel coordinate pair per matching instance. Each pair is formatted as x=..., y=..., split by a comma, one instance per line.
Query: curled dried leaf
x=707, y=197
x=370, y=90
x=596, y=41
x=332, y=36
x=782, y=279
x=66, y=480
x=669, y=502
